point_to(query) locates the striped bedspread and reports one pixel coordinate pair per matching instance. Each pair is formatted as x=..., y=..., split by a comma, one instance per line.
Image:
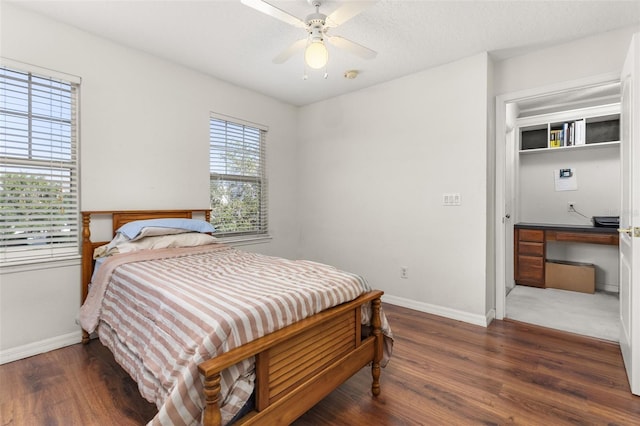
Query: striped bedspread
x=163, y=312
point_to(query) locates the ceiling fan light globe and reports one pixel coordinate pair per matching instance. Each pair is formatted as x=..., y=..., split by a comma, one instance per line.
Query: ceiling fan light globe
x=316, y=55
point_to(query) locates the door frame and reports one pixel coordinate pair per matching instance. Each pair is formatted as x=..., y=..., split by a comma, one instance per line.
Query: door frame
x=503, y=253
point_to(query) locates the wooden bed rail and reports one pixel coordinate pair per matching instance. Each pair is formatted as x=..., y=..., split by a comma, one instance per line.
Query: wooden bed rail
x=309, y=385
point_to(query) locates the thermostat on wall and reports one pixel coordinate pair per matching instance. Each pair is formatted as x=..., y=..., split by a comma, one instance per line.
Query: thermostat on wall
x=566, y=173
x=565, y=179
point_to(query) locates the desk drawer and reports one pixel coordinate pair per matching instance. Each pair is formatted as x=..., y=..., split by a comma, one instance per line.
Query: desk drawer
x=536, y=235
x=530, y=270
x=530, y=248
x=580, y=237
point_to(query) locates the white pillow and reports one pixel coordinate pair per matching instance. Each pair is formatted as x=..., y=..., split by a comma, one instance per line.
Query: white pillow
x=121, y=244
x=152, y=231
x=108, y=249
x=187, y=239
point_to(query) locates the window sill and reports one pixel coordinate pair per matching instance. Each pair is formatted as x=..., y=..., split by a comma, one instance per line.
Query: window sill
x=245, y=240
x=34, y=265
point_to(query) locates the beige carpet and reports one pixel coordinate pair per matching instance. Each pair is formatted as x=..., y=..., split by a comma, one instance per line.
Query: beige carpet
x=595, y=315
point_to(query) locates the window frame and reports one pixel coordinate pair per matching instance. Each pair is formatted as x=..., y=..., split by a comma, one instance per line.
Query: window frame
x=61, y=247
x=261, y=229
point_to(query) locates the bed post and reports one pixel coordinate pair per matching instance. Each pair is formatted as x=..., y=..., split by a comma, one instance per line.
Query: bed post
x=87, y=258
x=212, y=416
x=377, y=357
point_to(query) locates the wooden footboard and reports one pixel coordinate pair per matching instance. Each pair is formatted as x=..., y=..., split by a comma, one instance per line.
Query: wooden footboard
x=299, y=365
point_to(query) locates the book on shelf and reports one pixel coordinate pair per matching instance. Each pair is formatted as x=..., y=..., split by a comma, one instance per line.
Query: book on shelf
x=569, y=133
x=580, y=126
x=555, y=138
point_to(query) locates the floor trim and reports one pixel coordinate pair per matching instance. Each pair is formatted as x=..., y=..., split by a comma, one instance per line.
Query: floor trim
x=482, y=320
x=42, y=346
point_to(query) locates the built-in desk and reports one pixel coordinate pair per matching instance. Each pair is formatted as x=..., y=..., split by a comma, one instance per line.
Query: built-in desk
x=530, y=246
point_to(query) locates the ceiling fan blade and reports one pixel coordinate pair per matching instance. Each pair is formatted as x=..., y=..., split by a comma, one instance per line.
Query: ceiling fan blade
x=290, y=51
x=353, y=47
x=347, y=11
x=268, y=9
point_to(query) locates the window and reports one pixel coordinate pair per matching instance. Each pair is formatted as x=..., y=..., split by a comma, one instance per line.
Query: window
x=38, y=167
x=237, y=177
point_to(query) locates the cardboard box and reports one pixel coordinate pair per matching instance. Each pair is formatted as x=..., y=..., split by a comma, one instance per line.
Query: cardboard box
x=574, y=276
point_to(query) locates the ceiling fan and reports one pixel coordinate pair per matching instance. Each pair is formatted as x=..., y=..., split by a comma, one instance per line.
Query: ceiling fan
x=317, y=26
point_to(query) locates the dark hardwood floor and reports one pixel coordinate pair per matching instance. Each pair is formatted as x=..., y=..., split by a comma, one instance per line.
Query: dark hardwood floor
x=442, y=372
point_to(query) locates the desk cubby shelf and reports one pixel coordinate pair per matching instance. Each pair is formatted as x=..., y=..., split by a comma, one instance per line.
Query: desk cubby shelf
x=576, y=129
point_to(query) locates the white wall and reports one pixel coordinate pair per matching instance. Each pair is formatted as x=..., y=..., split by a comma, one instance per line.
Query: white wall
x=591, y=56
x=374, y=165
x=597, y=173
x=38, y=308
x=144, y=145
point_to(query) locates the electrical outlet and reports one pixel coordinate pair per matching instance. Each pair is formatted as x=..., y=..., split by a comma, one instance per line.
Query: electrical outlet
x=571, y=206
x=404, y=272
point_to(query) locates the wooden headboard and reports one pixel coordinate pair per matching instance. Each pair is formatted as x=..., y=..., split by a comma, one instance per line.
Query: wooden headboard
x=120, y=218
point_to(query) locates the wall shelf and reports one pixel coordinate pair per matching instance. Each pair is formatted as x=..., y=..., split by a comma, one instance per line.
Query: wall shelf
x=573, y=147
x=575, y=129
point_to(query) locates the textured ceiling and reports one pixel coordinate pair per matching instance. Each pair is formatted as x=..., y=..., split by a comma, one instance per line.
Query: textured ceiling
x=235, y=43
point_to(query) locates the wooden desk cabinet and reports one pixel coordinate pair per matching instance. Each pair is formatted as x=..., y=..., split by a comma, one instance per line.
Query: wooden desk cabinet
x=530, y=242
x=529, y=257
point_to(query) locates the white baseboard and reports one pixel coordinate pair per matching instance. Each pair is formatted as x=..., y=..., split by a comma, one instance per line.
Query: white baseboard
x=35, y=348
x=491, y=315
x=481, y=320
x=611, y=288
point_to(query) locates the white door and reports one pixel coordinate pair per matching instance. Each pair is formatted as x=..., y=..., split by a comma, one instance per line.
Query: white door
x=630, y=216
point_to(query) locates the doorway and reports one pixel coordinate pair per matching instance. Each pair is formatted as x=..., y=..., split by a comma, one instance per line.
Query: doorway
x=595, y=314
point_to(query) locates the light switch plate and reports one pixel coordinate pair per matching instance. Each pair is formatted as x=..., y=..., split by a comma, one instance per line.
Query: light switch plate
x=451, y=199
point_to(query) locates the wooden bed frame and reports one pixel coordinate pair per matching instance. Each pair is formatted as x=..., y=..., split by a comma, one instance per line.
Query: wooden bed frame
x=296, y=366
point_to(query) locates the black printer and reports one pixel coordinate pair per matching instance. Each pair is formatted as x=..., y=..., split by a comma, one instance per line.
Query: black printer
x=606, y=221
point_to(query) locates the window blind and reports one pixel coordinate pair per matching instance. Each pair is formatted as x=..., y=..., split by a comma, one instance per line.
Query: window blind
x=238, y=184
x=38, y=167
